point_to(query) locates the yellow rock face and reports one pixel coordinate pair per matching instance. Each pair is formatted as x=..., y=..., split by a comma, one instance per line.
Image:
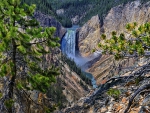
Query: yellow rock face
x=89, y=36
x=119, y=16
x=115, y=20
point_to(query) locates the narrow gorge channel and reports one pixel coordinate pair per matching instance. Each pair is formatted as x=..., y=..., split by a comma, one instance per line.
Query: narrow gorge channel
x=68, y=47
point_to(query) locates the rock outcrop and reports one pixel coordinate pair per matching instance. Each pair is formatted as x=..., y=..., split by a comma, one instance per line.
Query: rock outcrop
x=89, y=36
x=60, y=11
x=49, y=21
x=119, y=16
x=75, y=20
x=107, y=67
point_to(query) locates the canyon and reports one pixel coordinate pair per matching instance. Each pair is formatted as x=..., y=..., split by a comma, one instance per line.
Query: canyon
x=68, y=69
x=73, y=90
x=79, y=43
x=106, y=68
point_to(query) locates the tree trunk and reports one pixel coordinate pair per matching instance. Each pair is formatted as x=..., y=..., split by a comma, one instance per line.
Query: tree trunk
x=12, y=81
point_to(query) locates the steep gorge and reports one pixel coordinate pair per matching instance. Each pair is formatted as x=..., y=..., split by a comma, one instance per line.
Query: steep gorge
x=72, y=86
x=102, y=68
x=112, y=75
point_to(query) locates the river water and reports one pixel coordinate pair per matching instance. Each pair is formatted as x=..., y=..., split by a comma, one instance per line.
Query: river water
x=68, y=45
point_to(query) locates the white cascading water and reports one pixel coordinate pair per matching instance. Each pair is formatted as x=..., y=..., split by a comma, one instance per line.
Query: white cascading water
x=68, y=41
x=68, y=47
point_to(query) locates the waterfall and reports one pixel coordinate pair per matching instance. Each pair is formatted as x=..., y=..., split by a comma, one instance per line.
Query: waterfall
x=68, y=42
x=68, y=45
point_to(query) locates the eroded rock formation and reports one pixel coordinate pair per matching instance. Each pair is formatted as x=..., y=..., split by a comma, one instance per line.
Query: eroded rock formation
x=119, y=16
x=49, y=21
x=89, y=36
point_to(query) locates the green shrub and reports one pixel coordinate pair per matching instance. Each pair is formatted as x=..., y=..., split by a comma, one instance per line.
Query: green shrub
x=113, y=92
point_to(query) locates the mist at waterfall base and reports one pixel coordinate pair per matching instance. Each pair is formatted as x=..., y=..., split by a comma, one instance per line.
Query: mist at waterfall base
x=68, y=44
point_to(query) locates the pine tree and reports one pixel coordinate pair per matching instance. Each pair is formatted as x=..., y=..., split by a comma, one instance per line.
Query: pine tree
x=22, y=45
x=138, y=44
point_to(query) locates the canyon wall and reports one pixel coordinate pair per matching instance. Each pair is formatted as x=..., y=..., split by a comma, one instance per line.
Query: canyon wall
x=119, y=16
x=89, y=36
x=49, y=21
x=115, y=20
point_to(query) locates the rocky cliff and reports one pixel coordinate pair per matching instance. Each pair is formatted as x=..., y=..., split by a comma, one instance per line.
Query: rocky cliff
x=73, y=89
x=89, y=36
x=118, y=95
x=115, y=20
x=50, y=21
x=107, y=67
x=119, y=16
